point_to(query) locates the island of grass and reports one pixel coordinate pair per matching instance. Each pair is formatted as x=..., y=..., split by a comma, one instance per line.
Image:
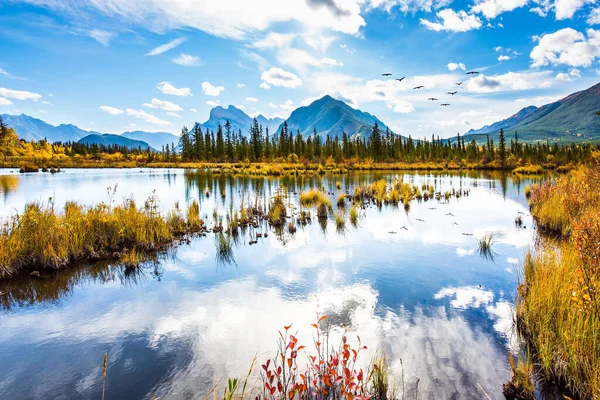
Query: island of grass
x=45, y=238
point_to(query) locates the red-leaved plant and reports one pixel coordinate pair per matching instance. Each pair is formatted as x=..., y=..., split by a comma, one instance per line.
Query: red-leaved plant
x=329, y=374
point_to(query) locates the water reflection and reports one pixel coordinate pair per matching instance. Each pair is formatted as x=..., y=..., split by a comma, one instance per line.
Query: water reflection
x=421, y=293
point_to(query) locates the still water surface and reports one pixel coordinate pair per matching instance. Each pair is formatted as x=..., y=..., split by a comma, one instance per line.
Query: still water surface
x=186, y=320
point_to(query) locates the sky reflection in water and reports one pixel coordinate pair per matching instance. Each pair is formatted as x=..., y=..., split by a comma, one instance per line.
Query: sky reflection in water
x=423, y=294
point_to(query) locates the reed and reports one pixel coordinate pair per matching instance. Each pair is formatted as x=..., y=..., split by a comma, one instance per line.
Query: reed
x=354, y=214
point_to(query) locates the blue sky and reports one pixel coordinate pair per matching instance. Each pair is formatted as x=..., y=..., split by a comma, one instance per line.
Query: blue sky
x=156, y=65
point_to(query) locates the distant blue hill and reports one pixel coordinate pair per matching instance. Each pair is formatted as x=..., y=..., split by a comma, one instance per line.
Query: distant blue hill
x=108, y=139
x=156, y=140
x=29, y=128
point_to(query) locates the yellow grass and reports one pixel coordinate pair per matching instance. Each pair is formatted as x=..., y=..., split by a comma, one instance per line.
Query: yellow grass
x=42, y=237
x=558, y=311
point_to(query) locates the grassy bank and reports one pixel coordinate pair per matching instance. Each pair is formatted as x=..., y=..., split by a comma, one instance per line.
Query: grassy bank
x=558, y=311
x=42, y=237
x=277, y=168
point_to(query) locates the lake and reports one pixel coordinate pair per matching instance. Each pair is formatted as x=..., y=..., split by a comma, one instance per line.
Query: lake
x=409, y=282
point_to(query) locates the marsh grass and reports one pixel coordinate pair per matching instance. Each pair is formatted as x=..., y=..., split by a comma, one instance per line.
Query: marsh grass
x=529, y=170
x=354, y=215
x=521, y=385
x=224, y=245
x=486, y=244
x=341, y=200
x=558, y=306
x=42, y=237
x=340, y=221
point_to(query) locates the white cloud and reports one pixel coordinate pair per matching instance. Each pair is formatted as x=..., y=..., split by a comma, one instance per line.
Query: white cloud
x=168, y=88
x=111, y=110
x=539, y=100
x=402, y=107
x=174, y=114
x=19, y=94
x=331, y=61
x=273, y=105
x=211, y=90
x=102, y=37
x=143, y=115
x=232, y=19
x=567, y=46
x=566, y=9
x=299, y=59
x=492, y=8
x=193, y=110
x=213, y=103
x=594, y=17
x=288, y=106
x=454, y=66
x=163, y=105
x=241, y=107
x=274, y=40
x=264, y=85
x=573, y=73
x=409, y=6
x=503, y=58
x=187, y=60
x=5, y=102
x=450, y=20
x=509, y=82
x=251, y=99
x=241, y=85
x=466, y=297
x=43, y=111
x=165, y=47
x=498, y=49
x=279, y=77
x=319, y=42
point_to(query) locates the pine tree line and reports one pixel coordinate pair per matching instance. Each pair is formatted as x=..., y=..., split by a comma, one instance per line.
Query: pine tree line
x=380, y=146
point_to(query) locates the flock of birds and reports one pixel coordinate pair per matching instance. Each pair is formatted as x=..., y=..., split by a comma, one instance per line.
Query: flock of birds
x=387, y=74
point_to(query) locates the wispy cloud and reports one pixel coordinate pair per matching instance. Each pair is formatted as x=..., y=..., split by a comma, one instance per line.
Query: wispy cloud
x=143, y=115
x=186, y=60
x=101, y=36
x=166, y=47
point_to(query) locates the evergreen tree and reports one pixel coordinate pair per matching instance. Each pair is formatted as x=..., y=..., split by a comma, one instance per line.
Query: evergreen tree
x=502, y=147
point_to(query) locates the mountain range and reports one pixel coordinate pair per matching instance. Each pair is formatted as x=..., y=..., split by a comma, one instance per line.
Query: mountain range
x=571, y=119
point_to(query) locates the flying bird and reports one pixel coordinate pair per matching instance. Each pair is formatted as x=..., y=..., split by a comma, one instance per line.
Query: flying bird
x=472, y=73
x=453, y=93
x=386, y=74
x=432, y=99
x=445, y=104
x=459, y=83
x=400, y=79
x=418, y=87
